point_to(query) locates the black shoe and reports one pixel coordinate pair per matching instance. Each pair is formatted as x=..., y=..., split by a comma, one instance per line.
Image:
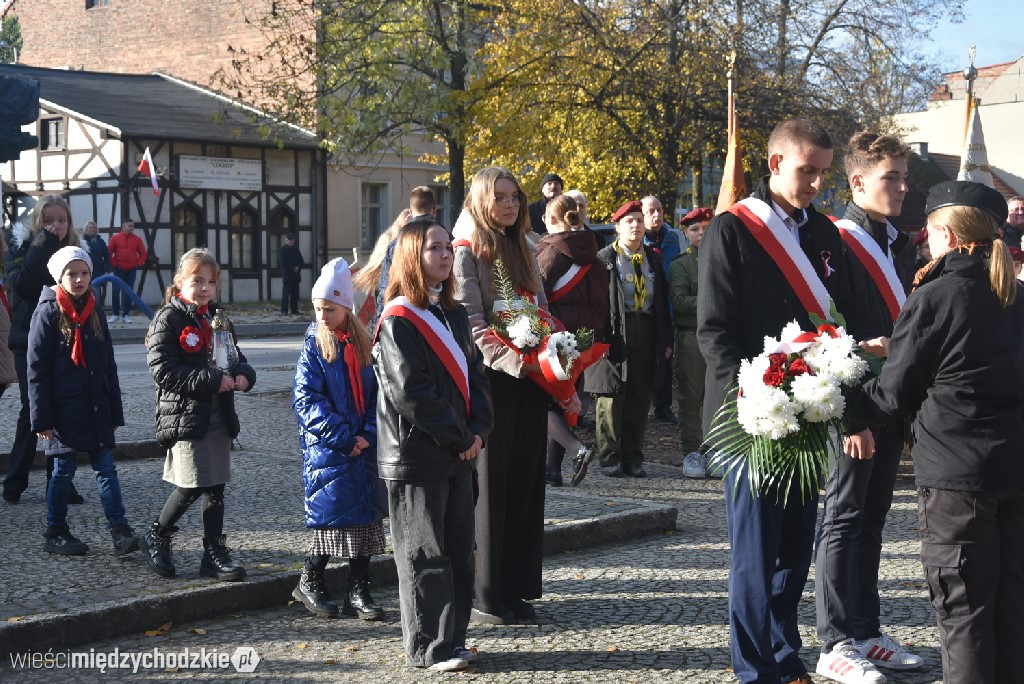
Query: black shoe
x=553, y=479
x=125, y=541
x=59, y=540
x=312, y=591
x=74, y=497
x=12, y=498
x=217, y=561
x=665, y=415
x=358, y=601
x=158, y=549
x=611, y=471
x=579, y=464
x=522, y=610
x=634, y=470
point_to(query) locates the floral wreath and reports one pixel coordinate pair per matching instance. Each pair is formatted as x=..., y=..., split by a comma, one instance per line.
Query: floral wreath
x=191, y=339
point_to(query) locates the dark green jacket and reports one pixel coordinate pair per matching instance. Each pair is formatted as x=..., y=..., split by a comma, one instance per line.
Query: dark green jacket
x=682, y=289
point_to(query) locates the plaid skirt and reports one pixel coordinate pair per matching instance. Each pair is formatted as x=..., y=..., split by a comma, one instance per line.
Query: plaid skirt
x=349, y=542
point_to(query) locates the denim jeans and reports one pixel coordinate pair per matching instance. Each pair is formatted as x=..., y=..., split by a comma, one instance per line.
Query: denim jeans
x=121, y=302
x=64, y=468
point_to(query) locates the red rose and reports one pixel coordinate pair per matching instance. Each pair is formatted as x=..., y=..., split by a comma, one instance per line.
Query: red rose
x=799, y=367
x=777, y=360
x=191, y=339
x=773, y=377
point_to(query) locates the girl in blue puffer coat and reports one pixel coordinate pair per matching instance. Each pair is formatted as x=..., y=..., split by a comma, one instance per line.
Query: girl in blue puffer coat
x=335, y=401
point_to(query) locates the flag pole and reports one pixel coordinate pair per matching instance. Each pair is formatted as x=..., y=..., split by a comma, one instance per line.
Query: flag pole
x=970, y=73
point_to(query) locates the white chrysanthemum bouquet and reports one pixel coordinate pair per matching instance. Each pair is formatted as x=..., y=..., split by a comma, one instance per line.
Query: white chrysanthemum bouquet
x=540, y=338
x=777, y=424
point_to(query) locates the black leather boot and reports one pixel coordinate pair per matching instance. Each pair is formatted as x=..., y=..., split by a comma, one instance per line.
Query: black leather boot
x=125, y=540
x=158, y=549
x=312, y=591
x=358, y=601
x=217, y=561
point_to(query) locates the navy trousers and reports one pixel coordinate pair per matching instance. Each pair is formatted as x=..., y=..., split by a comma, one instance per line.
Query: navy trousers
x=772, y=547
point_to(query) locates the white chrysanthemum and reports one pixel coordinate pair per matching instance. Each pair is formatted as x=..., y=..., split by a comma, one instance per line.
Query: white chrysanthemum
x=769, y=413
x=751, y=375
x=565, y=344
x=818, y=397
x=790, y=332
x=848, y=370
x=521, y=334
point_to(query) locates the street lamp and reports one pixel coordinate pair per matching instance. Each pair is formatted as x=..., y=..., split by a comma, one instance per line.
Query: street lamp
x=6, y=44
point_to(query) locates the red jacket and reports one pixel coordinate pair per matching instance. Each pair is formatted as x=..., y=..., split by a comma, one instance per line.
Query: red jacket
x=127, y=251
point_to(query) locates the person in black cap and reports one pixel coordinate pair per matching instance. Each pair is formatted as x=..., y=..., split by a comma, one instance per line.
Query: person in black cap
x=956, y=366
x=290, y=261
x=551, y=186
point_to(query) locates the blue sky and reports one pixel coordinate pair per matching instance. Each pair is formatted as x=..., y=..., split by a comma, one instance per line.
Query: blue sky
x=995, y=26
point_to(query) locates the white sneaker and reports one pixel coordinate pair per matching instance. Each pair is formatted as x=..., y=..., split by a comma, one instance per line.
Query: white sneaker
x=113, y=319
x=888, y=652
x=845, y=664
x=453, y=664
x=695, y=465
x=127, y=319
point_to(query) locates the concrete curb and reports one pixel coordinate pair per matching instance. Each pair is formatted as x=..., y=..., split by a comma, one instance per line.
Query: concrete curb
x=125, y=451
x=117, y=618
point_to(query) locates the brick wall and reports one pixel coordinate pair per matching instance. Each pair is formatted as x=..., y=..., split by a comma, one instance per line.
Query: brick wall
x=188, y=39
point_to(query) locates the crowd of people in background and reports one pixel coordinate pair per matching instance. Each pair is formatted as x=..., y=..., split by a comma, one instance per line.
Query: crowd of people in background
x=428, y=418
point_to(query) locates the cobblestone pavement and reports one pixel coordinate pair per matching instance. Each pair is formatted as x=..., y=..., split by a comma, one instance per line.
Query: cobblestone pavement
x=653, y=609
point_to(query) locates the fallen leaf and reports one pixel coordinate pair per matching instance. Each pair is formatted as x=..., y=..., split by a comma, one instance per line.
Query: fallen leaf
x=166, y=626
x=154, y=632
x=303, y=645
x=197, y=630
x=290, y=602
x=17, y=618
x=329, y=661
x=236, y=615
x=669, y=533
x=351, y=648
x=264, y=565
x=610, y=503
x=580, y=577
x=172, y=669
x=612, y=649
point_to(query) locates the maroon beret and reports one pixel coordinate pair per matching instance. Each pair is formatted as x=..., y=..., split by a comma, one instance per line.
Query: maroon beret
x=698, y=214
x=627, y=208
x=920, y=237
x=1017, y=255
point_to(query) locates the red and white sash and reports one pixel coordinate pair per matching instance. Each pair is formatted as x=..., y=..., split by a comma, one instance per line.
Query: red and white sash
x=438, y=337
x=784, y=249
x=568, y=281
x=877, y=264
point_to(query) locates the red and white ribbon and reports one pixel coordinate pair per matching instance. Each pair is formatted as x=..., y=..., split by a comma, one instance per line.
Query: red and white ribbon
x=437, y=336
x=876, y=263
x=784, y=249
x=568, y=281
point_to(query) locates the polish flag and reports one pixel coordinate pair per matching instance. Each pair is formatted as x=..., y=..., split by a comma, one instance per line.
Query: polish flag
x=148, y=168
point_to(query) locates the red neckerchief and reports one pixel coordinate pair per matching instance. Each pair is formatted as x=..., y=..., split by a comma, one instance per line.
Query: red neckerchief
x=66, y=305
x=355, y=375
x=203, y=318
x=6, y=302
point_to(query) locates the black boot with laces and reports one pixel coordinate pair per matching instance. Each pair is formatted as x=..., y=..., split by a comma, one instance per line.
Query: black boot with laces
x=125, y=540
x=217, y=561
x=358, y=601
x=312, y=591
x=158, y=549
x=59, y=540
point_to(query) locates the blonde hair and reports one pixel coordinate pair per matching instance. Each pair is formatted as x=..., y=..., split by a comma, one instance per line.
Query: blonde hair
x=191, y=261
x=368, y=277
x=329, y=345
x=491, y=241
x=975, y=228
x=36, y=221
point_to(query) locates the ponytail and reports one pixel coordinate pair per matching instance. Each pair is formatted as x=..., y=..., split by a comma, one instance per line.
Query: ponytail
x=1001, y=273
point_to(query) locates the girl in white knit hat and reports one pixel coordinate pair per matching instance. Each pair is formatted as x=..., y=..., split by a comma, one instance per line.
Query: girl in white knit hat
x=335, y=401
x=71, y=370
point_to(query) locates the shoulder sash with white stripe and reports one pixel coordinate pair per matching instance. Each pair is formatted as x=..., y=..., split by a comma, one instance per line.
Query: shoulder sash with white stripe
x=784, y=249
x=877, y=264
x=438, y=337
x=568, y=281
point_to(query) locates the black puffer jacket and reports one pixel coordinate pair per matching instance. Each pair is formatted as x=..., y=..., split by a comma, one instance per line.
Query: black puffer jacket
x=27, y=276
x=186, y=383
x=422, y=425
x=956, y=361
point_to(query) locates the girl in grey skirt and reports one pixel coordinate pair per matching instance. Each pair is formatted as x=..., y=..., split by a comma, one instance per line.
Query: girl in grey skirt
x=195, y=415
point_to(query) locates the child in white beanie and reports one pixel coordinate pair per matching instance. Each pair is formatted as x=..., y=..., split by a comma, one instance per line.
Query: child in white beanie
x=70, y=368
x=335, y=402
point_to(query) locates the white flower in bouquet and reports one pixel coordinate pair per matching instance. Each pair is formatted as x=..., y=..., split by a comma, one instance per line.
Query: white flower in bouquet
x=767, y=413
x=751, y=375
x=565, y=344
x=818, y=397
x=835, y=356
x=521, y=333
x=788, y=334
